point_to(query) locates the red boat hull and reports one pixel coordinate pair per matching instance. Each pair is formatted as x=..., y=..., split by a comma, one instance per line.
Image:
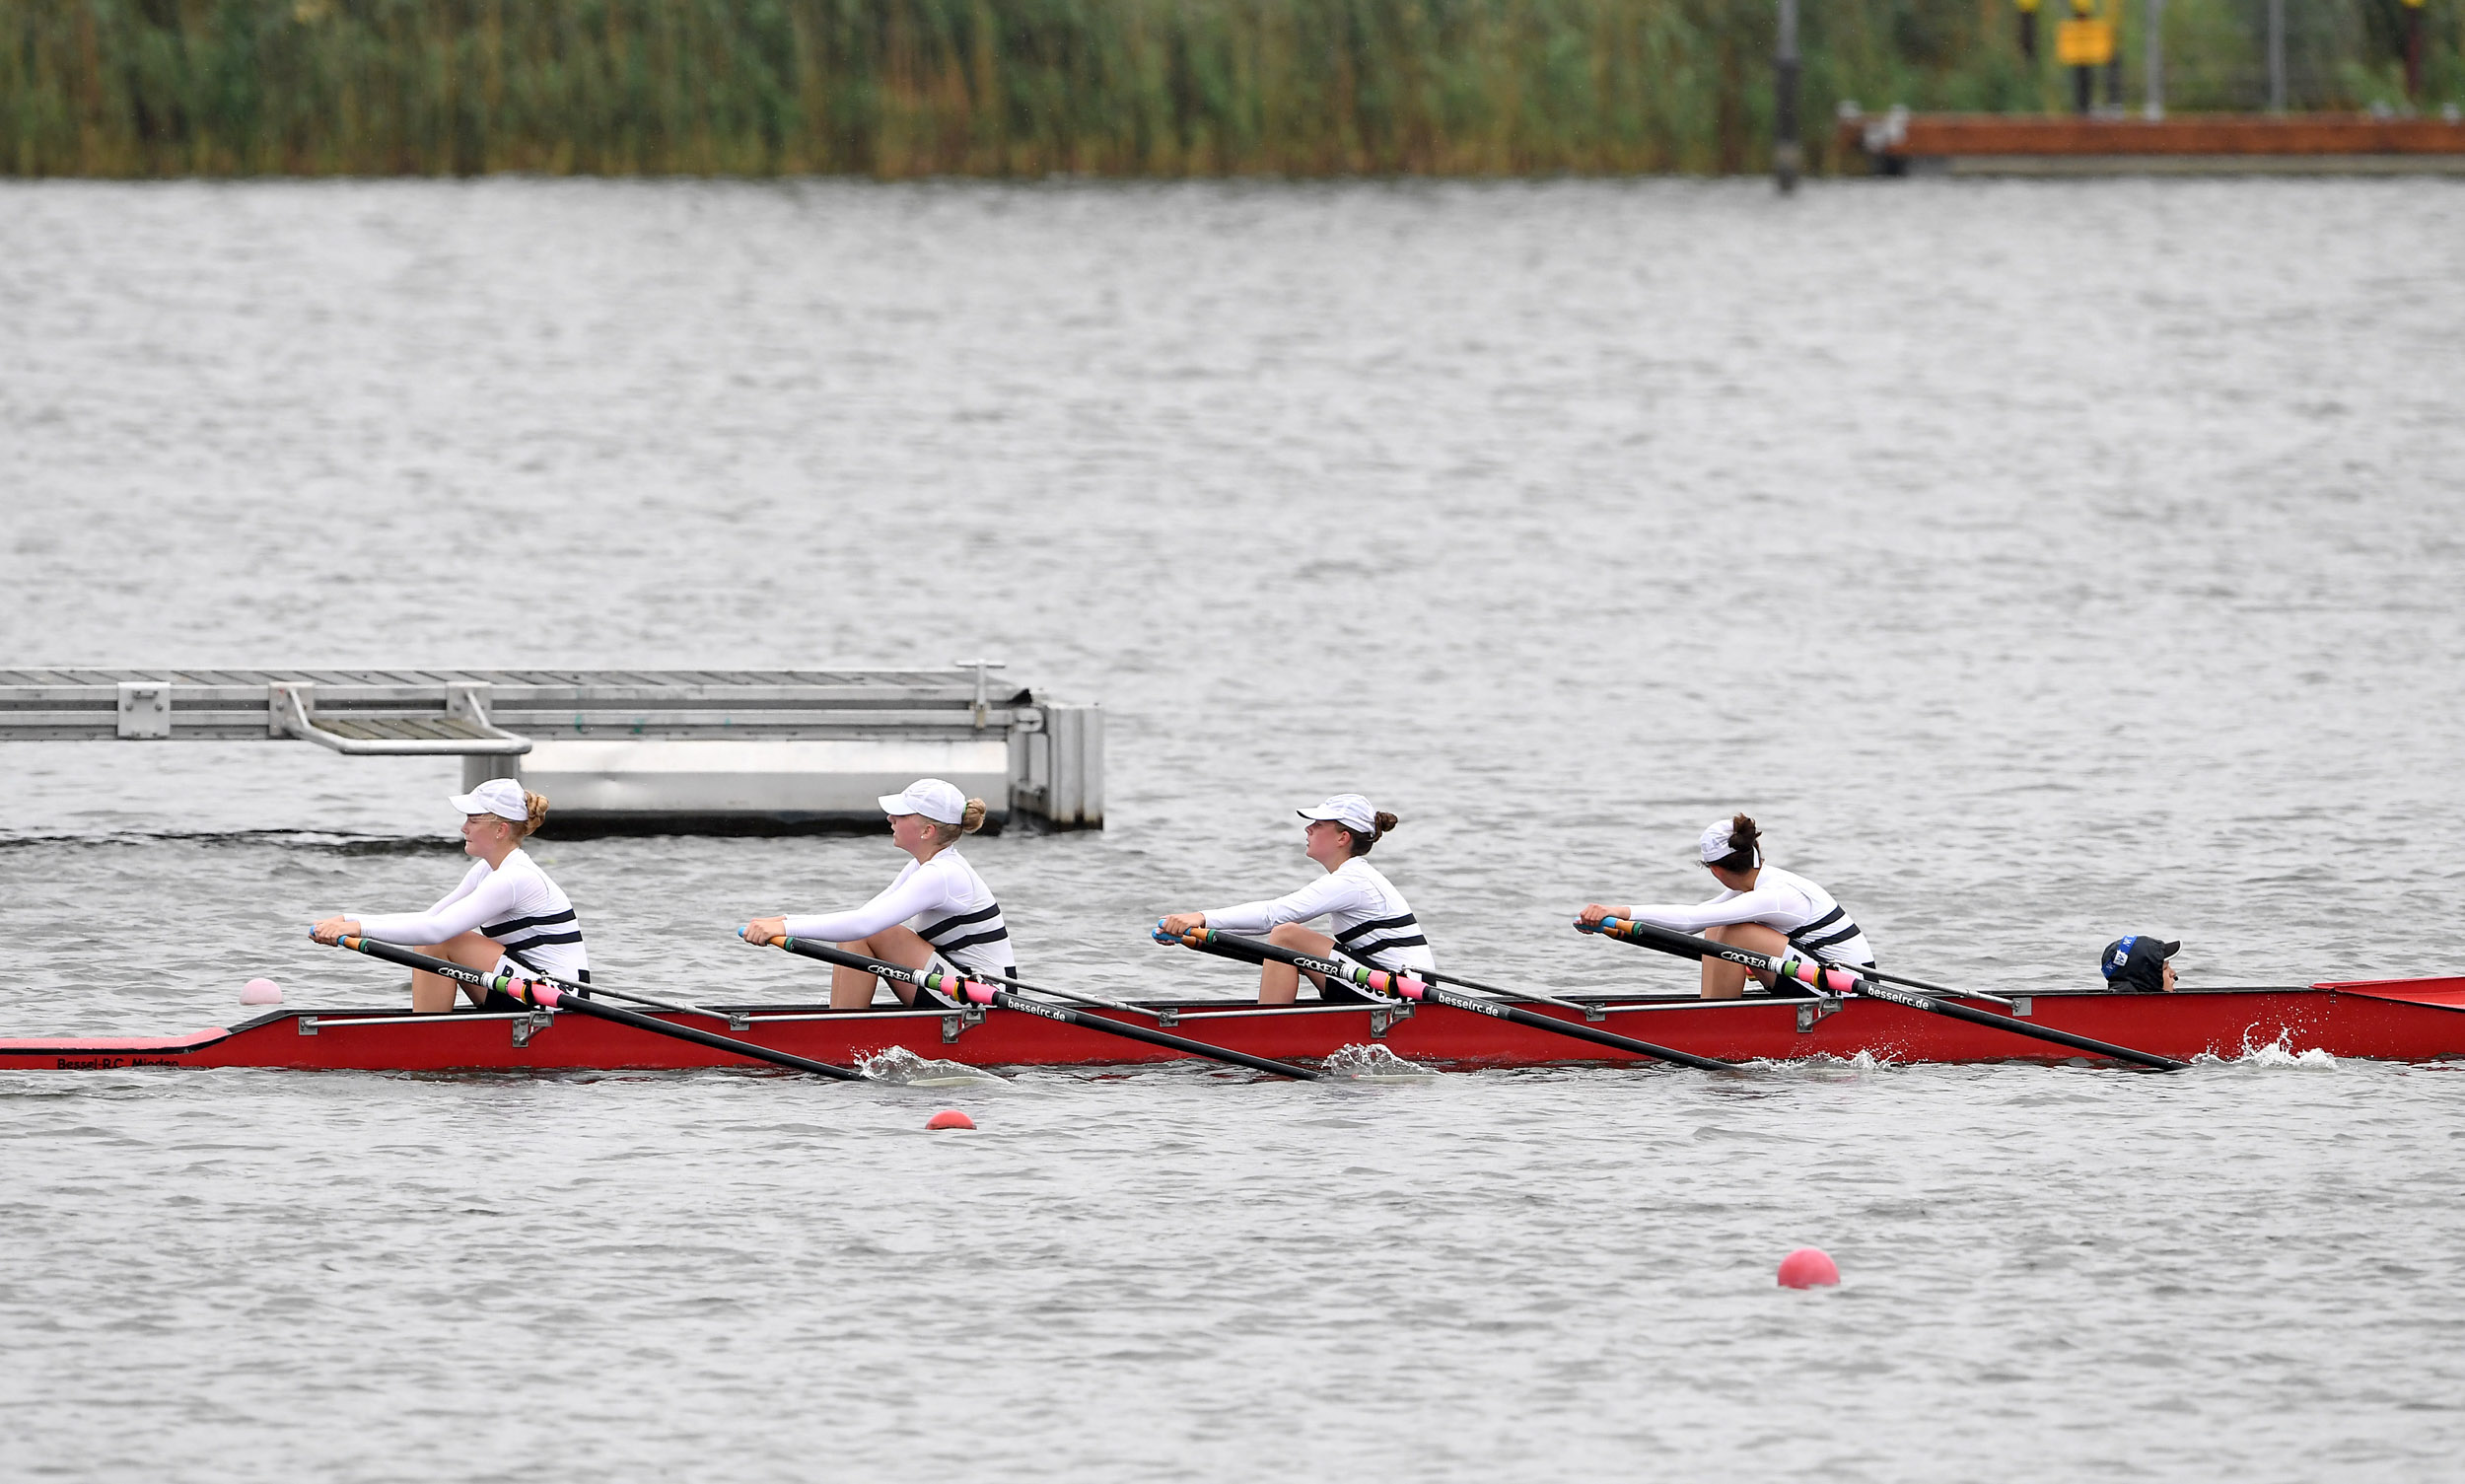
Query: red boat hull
x=2415, y=1020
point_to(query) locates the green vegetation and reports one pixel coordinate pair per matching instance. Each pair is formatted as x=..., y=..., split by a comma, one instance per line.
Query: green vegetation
x=900, y=88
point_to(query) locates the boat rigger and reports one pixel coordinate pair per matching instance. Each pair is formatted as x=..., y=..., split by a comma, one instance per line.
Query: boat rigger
x=2404, y=1020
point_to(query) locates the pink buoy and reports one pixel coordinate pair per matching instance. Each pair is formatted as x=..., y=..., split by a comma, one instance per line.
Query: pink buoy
x=950, y=1118
x=1808, y=1267
x=260, y=992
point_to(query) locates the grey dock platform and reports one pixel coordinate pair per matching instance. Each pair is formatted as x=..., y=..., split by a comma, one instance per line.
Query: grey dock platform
x=628, y=751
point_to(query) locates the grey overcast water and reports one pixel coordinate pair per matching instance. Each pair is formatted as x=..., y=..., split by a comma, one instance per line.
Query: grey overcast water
x=2038, y=562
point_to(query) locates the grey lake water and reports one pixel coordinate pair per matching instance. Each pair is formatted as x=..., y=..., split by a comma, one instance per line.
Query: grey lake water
x=2039, y=563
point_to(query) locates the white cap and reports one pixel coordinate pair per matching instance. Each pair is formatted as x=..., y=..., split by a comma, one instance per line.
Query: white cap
x=1716, y=845
x=1348, y=810
x=936, y=801
x=501, y=797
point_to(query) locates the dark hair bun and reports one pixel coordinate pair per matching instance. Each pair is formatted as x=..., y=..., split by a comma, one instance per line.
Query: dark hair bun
x=1744, y=845
x=1385, y=821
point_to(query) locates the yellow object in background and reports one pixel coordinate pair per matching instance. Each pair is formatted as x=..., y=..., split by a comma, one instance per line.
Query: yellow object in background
x=2085, y=43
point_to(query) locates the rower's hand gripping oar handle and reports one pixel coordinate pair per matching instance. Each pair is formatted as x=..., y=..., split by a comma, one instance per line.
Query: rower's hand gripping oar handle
x=966, y=991
x=1686, y=945
x=528, y=991
x=550, y=997
x=1210, y=940
x=1250, y=950
x=1823, y=978
x=975, y=993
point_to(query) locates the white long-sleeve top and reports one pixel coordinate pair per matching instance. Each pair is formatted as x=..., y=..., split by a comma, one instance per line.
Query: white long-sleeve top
x=516, y=905
x=1798, y=909
x=1369, y=919
x=943, y=899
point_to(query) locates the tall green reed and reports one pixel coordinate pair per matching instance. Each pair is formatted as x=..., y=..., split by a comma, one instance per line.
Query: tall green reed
x=903, y=88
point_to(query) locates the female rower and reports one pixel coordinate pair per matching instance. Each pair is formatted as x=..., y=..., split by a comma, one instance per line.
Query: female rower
x=1371, y=923
x=938, y=914
x=1761, y=908
x=506, y=917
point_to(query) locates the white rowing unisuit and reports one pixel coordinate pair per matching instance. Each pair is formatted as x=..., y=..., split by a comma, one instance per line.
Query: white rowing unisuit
x=516, y=905
x=1798, y=909
x=944, y=901
x=1370, y=919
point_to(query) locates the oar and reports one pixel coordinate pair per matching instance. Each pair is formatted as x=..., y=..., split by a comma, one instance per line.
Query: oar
x=1231, y=945
x=1846, y=980
x=577, y=987
x=554, y=997
x=1871, y=973
x=979, y=993
x=1435, y=976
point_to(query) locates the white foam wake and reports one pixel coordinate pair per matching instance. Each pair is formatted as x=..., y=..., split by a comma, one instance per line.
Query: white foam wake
x=2277, y=1053
x=901, y=1067
x=1371, y=1062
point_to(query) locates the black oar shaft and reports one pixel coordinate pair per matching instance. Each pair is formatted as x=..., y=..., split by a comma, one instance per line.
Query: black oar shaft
x=1233, y=946
x=574, y=1003
x=935, y=979
x=1687, y=945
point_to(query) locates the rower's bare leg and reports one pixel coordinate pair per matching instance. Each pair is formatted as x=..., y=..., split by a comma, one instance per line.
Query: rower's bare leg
x=852, y=988
x=1280, y=983
x=1724, y=980
x=433, y=994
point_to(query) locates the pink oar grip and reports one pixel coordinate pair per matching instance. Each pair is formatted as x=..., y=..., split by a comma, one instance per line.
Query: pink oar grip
x=1397, y=984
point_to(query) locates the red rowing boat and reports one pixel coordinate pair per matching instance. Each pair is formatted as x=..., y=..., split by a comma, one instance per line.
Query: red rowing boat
x=2395, y=1019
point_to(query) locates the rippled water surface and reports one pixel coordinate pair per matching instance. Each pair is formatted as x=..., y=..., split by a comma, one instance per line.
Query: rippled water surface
x=2038, y=563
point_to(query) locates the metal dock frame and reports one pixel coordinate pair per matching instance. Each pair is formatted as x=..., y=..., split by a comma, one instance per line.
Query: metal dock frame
x=754, y=751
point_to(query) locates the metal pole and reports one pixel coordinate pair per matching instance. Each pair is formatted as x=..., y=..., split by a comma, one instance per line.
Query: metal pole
x=2154, y=108
x=1786, y=153
x=2114, y=56
x=2276, y=56
x=2413, y=50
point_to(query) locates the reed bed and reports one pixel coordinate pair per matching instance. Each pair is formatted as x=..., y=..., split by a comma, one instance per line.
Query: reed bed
x=1031, y=87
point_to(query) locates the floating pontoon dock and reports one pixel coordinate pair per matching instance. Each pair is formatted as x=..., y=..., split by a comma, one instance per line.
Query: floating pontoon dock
x=618, y=751
x=1901, y=143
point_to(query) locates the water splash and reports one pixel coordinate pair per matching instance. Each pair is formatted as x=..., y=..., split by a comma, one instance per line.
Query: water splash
x=2277, y=1053
x=1824, y=1064
x=903, y=1068
x=1371, y=1062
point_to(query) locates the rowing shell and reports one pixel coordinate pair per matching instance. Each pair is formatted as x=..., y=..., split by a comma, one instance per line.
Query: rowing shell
x=2400, y=1019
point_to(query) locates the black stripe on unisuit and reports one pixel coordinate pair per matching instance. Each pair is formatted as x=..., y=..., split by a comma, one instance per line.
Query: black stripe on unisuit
x=1361, y=930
